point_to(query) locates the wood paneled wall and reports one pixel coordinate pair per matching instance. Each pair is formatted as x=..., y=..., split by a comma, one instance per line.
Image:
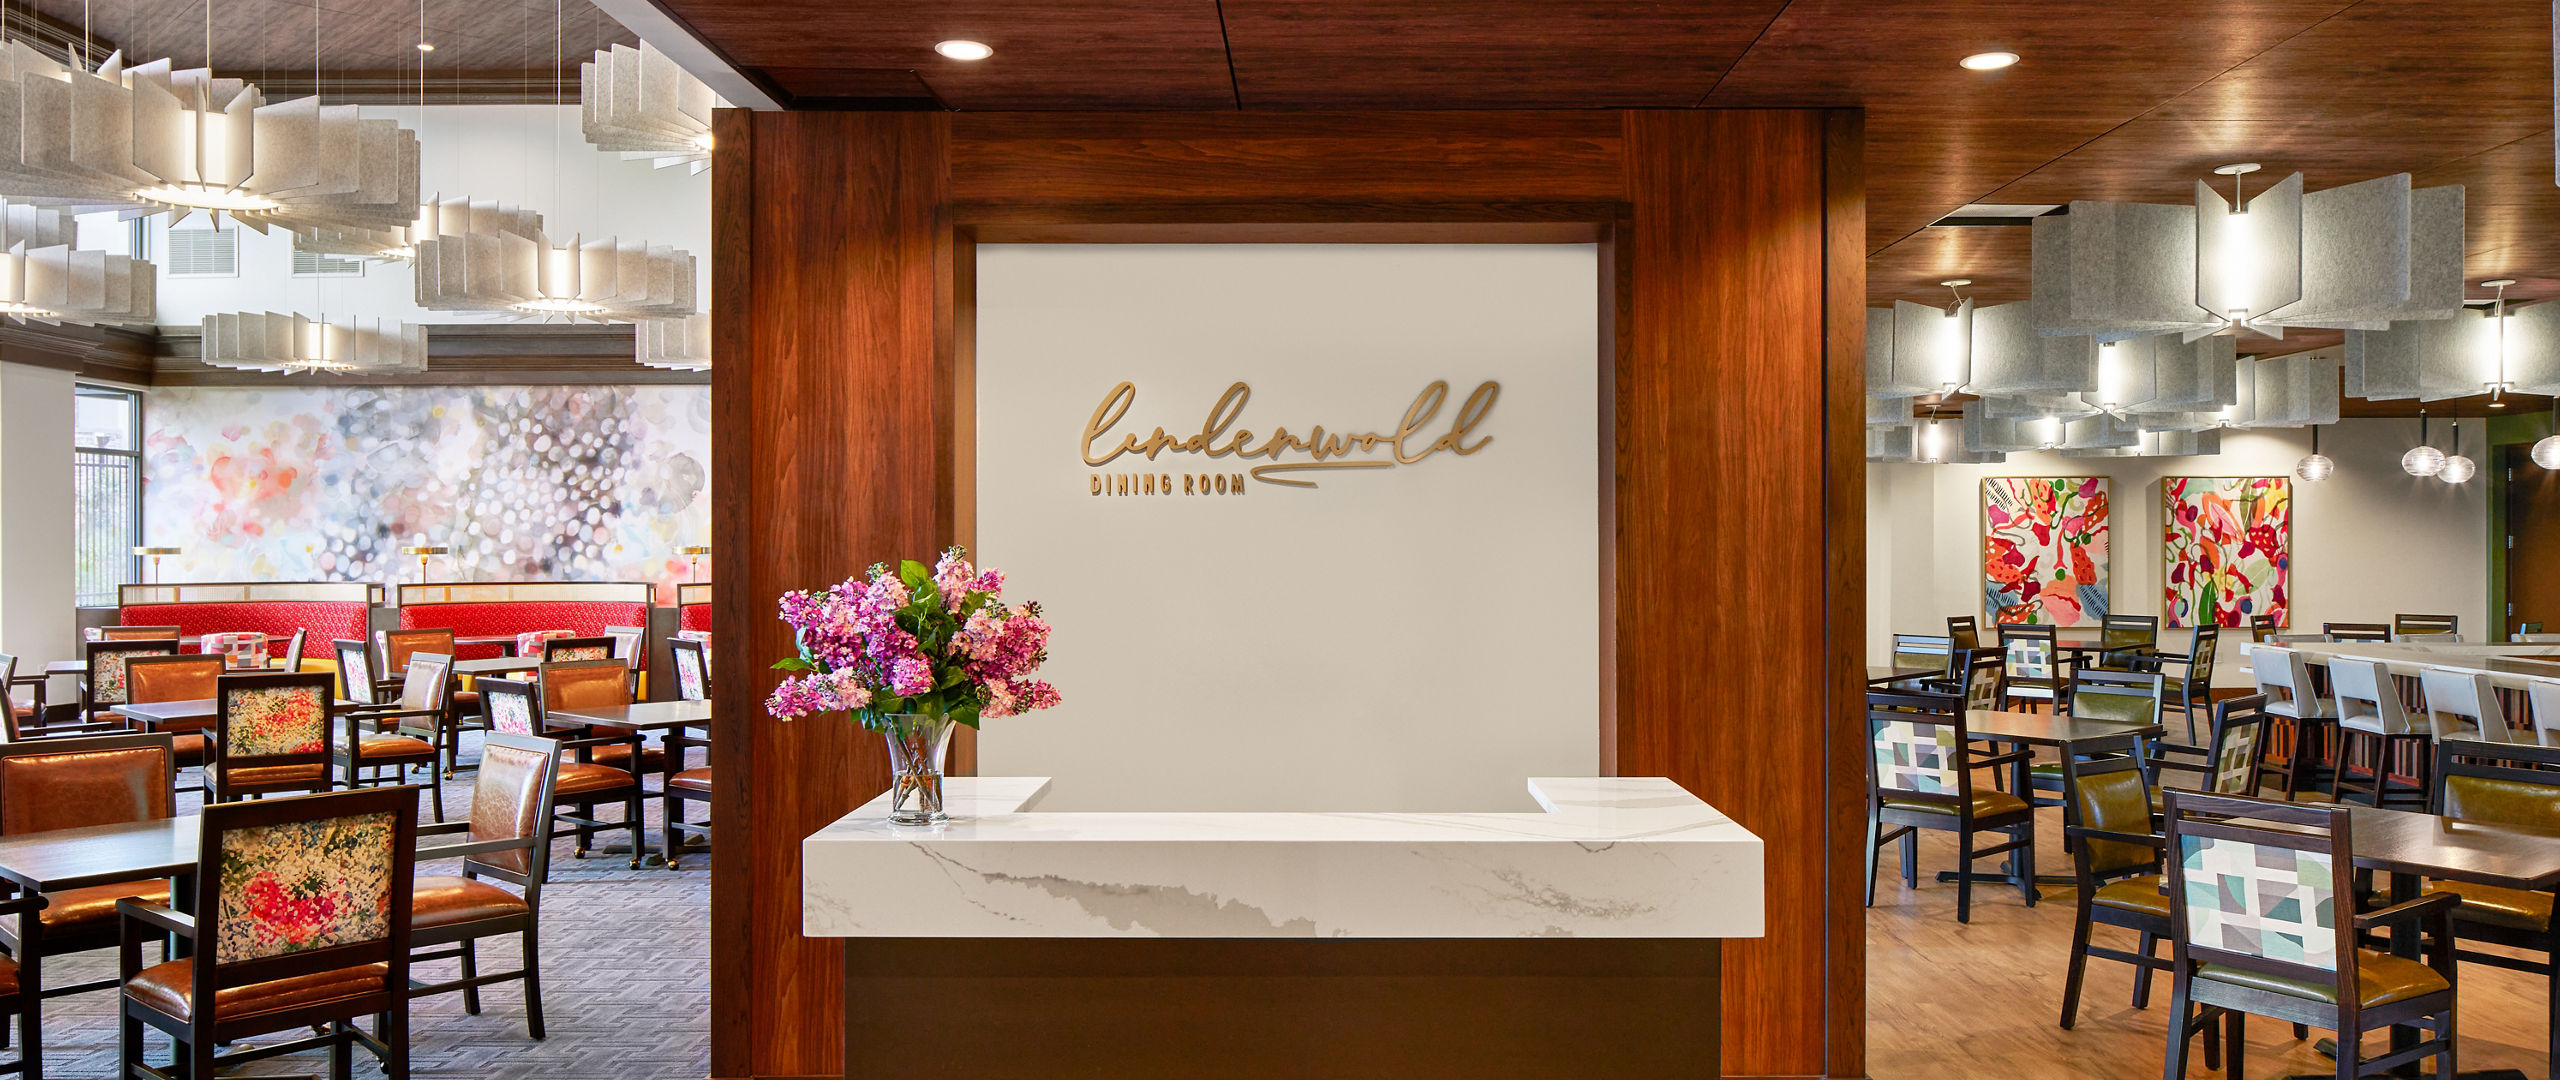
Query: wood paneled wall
x=1732, y=245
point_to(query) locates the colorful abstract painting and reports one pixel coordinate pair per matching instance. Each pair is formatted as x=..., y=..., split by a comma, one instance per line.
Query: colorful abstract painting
x=2044, y=549
x=523, y=483
x=2229, y=541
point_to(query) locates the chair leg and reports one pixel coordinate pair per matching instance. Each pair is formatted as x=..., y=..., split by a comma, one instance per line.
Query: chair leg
x=199, y=1055
x=2445, y=1061
x=1911, y=858
x=1964, y=875
x=1872, y=826
x=532, y=985
x=2079, y=965
x=2235, y=1044
x=2025, y=833
x=435, y=788
x=393, y=1029
x=631, y=815
x=128, y=1042
x=671, y=813
x=2174, y=1063
x=342, y=1056
x=470, y=959
x=2212, y=1039
x=2142, y=974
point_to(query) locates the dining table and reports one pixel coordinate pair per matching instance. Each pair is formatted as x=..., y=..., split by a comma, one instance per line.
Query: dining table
x=2068, y=737
x=1893, y=673
x=645, y=716
x=495, y=665
x=192, y=713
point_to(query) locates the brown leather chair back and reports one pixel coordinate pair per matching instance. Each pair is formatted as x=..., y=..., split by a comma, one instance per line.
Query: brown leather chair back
x=399, y=645
x=585, y=684
x=511, y=800
x=191, y=677
x=137, y=633
x=96, y=780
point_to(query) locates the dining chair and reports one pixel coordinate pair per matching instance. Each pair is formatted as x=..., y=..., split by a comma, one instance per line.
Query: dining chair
x=76, y=783
x=408, y=733
x=18, y=1000
x=631, y=644
x=2356, y=631
x=693, y=668
x=2503, y=785
x=2542, y=700
x=558, y=650
x=2192, y=672
x=240, y=651
x=1964, y=632
x=683, y=787
x=2264, y=627
x=2116, y=859
x=177, y=677
x=2404, y=627
x=2536, y=637
x=529, y=643
x=2123, y=697
x=292, y=658
x=2032, y=668
x=271, y=735
x=138, y=633
x=300, y=920
x=2233, y=756
x=102, y=683
x=356, y=681
x=514, y=707
x=507, y=839
x=2125, y=642
x=18, y=714
x=1924, y=651
x=2463, y=705
x=2371, y=718
x=399, y=645
x=599, y=684
x=2309, y=721
x=2262, y=899
x=1920, y=776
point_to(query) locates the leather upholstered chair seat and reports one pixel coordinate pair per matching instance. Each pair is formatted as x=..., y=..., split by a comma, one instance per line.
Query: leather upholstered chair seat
x=2381, y=979
x=170, y=988
x=695, y=779
x=1985, y=804
x=652, y=758
x=394, y=746
x=96, y=904
x=2511, y=908
x=582, y=777
x=445, y=899
x=281, y=774
x=2140, y=895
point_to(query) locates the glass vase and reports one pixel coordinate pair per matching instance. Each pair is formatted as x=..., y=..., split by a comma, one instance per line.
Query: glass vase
x=917, y=744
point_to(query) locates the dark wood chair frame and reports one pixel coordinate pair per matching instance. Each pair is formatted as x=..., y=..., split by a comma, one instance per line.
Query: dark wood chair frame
x=352, y=652
x=2053, y=689
x=2522, y=763
x=197, y=1036
x=1964, y=632
x=219, y=761
x=584, y=825
x=1886, y=824
x=2264, y=628
x=2127, y=642
x=2196, y=1003
x=464, y=937
x=19, y=1002
x=2089, y=879
x=2406, y=625
x=431, y=724
x=90, y=706
x=631, y=646
x=672, y=799
x=2230, y=715
x=1909, y=650
x=2193, y=681
x=2366, y=632
x=2046, y=782
x=554, y=646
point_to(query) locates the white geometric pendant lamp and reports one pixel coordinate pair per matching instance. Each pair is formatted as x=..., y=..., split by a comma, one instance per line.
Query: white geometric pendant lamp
x=266, y=341
x=673, y=344
x=45, y=278
x=639, y=103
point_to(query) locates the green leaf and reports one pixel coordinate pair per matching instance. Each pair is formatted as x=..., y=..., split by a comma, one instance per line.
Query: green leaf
x=794, y=663
x=914, y=574
x=966, y=714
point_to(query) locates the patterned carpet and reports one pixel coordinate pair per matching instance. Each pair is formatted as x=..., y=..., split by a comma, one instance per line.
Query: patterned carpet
x=626, y=960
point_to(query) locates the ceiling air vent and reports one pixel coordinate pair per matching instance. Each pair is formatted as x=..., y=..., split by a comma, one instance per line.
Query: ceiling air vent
x=314, y=264
x=203, y=253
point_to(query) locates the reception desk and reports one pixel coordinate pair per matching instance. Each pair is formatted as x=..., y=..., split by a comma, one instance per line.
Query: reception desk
x=1578, y=940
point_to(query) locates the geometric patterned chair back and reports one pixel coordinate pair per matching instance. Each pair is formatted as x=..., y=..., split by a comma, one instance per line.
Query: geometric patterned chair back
x=693, y=669
x=2239, y=745
x=2202, y=645
x=304, y=885
x=529, y=643
x=355, y=669
x=1917, y=748
x=2462, y=705
x=2259, y=898
x=2114, y=796
x=399, y=645
x=105, y=660
x=557, y=650
x=273, y=719
x=189, y=677
x=422, y=685
x=2120, y=697
x=2028, y=653
x=509, y=706
x=1982, y=681
x=241, y=651
x=2367, y=698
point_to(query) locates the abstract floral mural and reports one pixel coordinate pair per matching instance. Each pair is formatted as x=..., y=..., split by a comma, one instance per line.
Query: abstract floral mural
x=523, y=483
x=2044, y=549
x=2229, y=541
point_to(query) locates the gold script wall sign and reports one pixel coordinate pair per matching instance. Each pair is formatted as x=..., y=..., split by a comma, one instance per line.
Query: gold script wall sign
x=1324, y=450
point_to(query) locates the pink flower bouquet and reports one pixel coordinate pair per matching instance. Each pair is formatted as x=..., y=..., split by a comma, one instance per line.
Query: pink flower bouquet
x=936, y=642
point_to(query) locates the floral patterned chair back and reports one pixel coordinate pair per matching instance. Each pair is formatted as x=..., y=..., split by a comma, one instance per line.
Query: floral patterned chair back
x=2262, y=896
x=300, y=886
x=509, y=706
x=105, y=661
x=693, y=669
x=563, y=649
x=355, y=669
x=272, y=733
x=530, y=642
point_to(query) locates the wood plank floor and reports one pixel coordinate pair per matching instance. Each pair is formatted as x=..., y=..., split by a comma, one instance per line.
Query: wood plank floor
x=1982, y=1000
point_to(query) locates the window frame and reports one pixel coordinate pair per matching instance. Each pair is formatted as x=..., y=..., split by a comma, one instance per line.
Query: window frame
x=133, y=418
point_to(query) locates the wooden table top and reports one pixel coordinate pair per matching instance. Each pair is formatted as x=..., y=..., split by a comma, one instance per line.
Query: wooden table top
x=2047, y=729
x=2507, y=856
x=192, y=709
x=66, y=667
x=1877, y=673
x=495, y=665
x=644, y=716
x=100, y=854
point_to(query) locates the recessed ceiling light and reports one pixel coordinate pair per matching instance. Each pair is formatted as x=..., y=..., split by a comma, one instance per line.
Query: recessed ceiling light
x=963, y=49
x=1988, y=61
x=426, y=47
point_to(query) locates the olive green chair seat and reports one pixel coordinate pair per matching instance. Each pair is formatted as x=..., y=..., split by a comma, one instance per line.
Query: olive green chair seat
x=2381, y=979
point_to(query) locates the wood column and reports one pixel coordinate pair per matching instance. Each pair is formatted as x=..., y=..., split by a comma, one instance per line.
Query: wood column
x=831, y=430
x=1740, y=538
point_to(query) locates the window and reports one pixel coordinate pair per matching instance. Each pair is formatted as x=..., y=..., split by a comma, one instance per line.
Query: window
x=106, y=470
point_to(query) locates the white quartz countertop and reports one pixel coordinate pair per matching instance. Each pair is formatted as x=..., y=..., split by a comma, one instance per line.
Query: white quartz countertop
x=1621, y=857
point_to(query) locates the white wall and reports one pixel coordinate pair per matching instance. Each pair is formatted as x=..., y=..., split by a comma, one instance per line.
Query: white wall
x=1420, y=637
x=2368, y=543
x=507, y=153
x=36, y=613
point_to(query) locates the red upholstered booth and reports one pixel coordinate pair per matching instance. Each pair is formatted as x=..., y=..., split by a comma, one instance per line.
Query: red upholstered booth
x=693, y=606
x=477, y=609
x=328, y=609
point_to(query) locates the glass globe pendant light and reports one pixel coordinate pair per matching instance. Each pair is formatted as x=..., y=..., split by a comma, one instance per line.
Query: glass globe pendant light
x=2423, y=459
x=2317, y=467
x=2458, y=469
x=2546, y=453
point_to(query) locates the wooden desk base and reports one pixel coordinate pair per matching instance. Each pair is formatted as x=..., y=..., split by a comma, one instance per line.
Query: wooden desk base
x=1227, y=1009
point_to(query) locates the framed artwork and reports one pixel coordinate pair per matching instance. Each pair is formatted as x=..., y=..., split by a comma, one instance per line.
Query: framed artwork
x=2228, y=541
x=2044, y=549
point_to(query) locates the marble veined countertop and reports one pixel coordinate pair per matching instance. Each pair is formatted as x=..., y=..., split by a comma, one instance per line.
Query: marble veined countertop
x=1625, y=857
